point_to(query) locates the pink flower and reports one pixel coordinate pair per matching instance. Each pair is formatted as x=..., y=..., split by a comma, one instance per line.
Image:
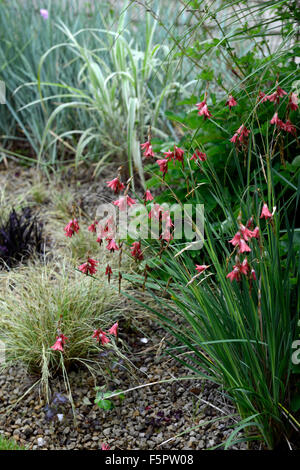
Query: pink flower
x=114, y=329
x=71, y=228
x=155, y=211
x=293, y=101
x=105, y=447
x=262, y=97
x=278, y=122
x=169, y=155
x=244, y=132
x=57, y=346
x=178, y=152
x=130, y=201
x=136, y=251
x=274, y=119
x=59, y=343
x=201, y=155
x=279, y=93
x=236, y=239
x=163, y=165
x=100, y=336
x=201, y=267
x=44, y=13
x=106, y=230
x=255, y=232
x=115, y=185
x=244, y=267
x=253, y=274
x=231, y=102
x=243, y=246
x=201, y=105
x=289, y=127
x=234, y=274
x=147, y=147
x=92, y=228
x=234, y=138
x=203, y=110
x=89, y=267
x=241, y=134
x=245, y=232
x=123, y=202
x=111, y=246
x=148, y=196
x=238, y=269
x=167, y=219
x=265, y=212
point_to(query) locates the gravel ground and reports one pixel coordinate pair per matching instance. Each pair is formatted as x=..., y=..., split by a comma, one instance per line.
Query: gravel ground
x=146, y=419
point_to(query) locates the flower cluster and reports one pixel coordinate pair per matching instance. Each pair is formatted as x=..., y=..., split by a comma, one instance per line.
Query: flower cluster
x=242, y=236
x=292, y=104
x=241, y=135
x=107, y=232
x=71, y=228
x=100, y=335
x=89, y=267
x=239, y=241
x=199, y=155
x=274, y=97
x=177, y=154
x=124, y=202
x=241, y=268
x=285, y=126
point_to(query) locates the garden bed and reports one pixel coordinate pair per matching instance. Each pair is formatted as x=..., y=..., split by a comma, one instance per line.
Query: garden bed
x=149, y=416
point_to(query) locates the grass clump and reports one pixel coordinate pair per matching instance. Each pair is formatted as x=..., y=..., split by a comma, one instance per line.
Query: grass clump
x=9, y=444
x=38, y=300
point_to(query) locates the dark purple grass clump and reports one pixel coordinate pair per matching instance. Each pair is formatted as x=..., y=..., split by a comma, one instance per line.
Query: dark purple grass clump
x=21, y=235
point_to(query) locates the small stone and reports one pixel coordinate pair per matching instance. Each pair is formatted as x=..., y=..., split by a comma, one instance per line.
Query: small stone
x=27, y=431
x=40, y=442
